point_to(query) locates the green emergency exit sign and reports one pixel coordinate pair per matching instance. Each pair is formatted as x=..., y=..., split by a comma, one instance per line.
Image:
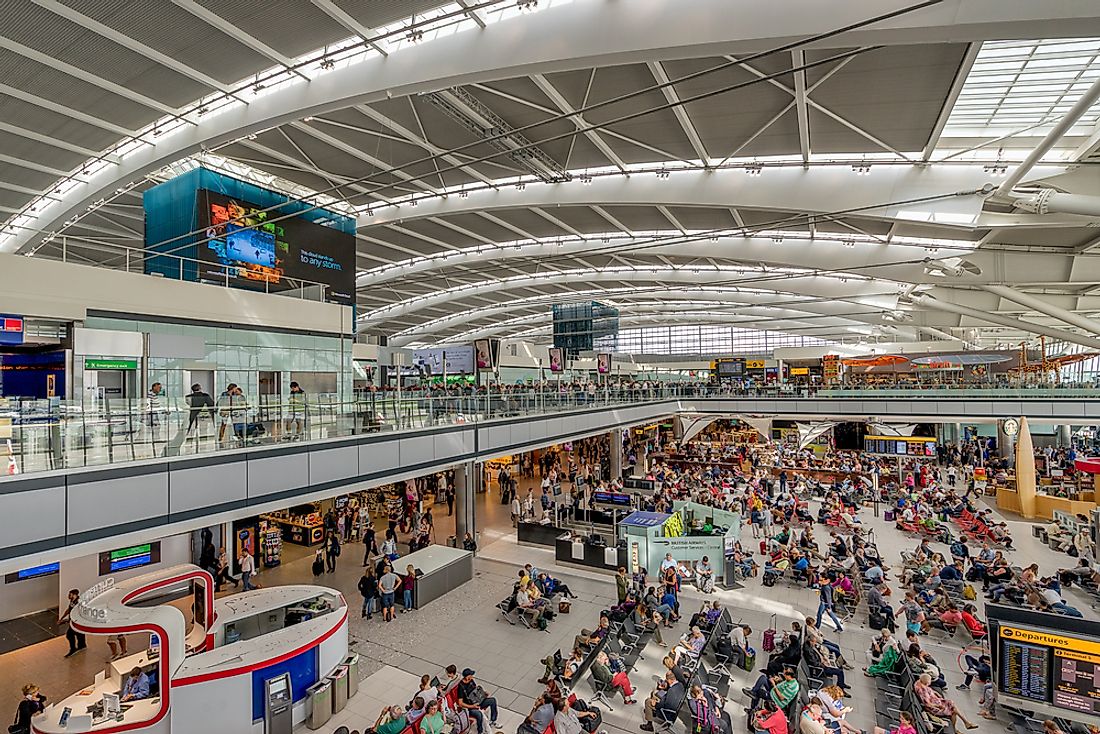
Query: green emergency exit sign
x=110, y=364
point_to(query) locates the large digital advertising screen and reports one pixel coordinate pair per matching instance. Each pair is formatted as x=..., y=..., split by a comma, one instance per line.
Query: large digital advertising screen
x=261, y=254
x=459, y=360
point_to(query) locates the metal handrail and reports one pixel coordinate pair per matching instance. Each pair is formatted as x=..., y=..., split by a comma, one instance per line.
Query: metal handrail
x=128, y=255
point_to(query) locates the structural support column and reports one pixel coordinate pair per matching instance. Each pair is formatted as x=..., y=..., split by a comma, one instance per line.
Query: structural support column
x=1025, y=470
x=467, y=479
x=1064, y=435
x=615, y=453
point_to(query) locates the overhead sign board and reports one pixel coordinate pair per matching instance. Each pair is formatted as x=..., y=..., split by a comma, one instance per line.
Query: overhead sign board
x=110, y=364
x=11, y=329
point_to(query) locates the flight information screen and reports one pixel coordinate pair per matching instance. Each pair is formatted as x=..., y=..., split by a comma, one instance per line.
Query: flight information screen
x=1077, y=681
x=1025, y=670
x=1049, y=666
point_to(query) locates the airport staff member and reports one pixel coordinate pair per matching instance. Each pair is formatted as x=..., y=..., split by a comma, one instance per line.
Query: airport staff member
x=136, y=686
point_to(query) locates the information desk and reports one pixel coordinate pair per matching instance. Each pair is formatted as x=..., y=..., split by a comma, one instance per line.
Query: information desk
x=584, y=553
x=206, y=680
x=247, y=616
x=538, y=534
x=440, y=568
x=1045, y=505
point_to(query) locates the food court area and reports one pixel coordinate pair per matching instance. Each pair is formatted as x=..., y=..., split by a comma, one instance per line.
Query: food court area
x=774, y=575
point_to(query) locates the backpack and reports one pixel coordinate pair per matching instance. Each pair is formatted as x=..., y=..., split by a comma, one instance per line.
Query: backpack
x=542, y=623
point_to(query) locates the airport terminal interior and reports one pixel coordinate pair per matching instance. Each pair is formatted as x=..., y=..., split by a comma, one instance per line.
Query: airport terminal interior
x=550, y=366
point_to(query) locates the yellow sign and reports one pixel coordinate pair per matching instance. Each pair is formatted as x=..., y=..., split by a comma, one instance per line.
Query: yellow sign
x=800, y=370
x=754, y=364
x=1059, y=642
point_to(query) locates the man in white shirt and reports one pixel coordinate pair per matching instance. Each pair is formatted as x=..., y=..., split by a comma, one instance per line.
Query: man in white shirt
x=248, y=567
x=668, y=563
x=515, y=511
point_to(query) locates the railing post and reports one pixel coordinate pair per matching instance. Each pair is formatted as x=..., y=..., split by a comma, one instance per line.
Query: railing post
x=128, y=260
x=64, y=249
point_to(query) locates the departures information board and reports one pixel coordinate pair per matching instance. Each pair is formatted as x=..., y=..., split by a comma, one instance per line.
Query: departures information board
x=1025, y=670
x=1052, y=667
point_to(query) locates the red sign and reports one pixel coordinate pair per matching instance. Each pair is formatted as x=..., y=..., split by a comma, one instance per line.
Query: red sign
x=11, y=329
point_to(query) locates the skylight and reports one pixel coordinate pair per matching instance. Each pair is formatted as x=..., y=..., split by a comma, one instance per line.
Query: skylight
x=1020, y=86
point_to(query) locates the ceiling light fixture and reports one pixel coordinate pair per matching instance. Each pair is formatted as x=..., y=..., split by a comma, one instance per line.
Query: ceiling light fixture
x=862, y=169
x=415, y=36
x=527, y=6
x=327, y=64
x=662, y=174
x=754, y=169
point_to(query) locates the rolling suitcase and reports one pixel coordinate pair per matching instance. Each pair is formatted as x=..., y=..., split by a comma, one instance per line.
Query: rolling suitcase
x=769, y=637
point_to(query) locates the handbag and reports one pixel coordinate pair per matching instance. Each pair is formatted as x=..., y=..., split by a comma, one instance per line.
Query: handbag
x=563, y=607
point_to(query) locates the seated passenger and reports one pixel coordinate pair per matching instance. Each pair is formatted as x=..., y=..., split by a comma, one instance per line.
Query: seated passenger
x=613, y=681
x=390, y=721
x=691, y=645
x=433, y=721
x=541, y=716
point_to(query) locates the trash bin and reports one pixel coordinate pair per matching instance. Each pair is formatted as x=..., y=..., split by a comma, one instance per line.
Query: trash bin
x=352, y=664
x=319, y=706
x=339, y=679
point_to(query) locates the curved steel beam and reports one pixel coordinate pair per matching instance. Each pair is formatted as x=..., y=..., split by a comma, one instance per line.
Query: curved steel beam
x=817, y=189
x=535, y=324
x=628, y=298
x=520, y=47
x=899, y=260
x=880, y=293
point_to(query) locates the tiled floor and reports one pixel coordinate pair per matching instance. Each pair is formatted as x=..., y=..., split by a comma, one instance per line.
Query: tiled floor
x=465, y=628
x=29, y=630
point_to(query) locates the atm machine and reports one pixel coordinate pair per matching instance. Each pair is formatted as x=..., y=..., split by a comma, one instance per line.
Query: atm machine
x=278, y=705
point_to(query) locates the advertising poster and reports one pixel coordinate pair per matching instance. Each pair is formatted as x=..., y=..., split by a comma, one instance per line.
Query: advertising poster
x=603, y=364
x=557, y=359
x=484, y=354
x=459, y=360
x=272, y=255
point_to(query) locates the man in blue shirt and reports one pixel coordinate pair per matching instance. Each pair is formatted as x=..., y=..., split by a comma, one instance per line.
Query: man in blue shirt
x=136, y=686
x=951, y=572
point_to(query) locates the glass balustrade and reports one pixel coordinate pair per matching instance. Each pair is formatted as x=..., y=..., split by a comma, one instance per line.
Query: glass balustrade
x=45, y=435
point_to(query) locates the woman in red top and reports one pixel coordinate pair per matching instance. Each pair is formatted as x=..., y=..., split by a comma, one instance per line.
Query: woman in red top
x=770, y=718
x=973, y=624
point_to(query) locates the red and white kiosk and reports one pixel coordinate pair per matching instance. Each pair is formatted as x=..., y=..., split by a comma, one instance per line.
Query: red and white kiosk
x=208, y=673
